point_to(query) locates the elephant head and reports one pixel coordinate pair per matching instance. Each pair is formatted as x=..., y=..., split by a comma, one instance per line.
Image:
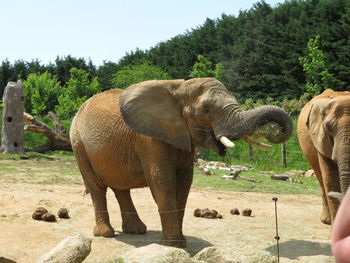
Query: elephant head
x=329, y=125
x=196, y=112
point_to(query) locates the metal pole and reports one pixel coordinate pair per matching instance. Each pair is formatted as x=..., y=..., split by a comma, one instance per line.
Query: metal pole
x=275, y=199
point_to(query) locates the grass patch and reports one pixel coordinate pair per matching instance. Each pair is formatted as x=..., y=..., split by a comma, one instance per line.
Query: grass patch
x=39, y=169
x=267, y=185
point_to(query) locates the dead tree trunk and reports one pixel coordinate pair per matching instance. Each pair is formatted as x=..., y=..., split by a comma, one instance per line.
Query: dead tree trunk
x=12, y=121
x=57, y=139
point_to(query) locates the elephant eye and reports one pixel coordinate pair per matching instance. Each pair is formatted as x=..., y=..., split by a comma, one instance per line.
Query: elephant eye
x=206, y=109
x=328, y=125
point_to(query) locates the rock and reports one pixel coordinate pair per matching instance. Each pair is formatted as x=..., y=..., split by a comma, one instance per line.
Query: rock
x=197, y=212
x=36, y=216
x=48, y=217
x=235, y=211
x=210, y=255
x=155, y=253
x=41, y=210
x=6, y=258
x=205, y=211
x=247, y=212
x=235, y=172
x=72, y=249
x=309, y=173
x=63, y=213
x=207, y=172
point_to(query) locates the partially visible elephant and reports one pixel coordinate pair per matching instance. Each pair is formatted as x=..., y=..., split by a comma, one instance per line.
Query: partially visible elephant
x=324, y=136
x=146, y=136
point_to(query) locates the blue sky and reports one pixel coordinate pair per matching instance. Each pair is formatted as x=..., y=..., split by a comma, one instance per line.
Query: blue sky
x=100, y=29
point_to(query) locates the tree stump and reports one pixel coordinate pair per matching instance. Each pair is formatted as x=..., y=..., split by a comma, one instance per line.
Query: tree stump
x=12, y=120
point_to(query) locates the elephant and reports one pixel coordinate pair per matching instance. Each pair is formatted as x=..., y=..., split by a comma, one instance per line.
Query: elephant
x=146, y=135
x=323, y=130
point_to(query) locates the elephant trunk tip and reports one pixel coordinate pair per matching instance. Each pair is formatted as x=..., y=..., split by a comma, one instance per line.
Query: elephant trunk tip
x=270, y=122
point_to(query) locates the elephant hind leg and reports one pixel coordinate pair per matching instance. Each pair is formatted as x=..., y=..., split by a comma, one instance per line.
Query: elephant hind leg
x=97, y=192
x=131, y=221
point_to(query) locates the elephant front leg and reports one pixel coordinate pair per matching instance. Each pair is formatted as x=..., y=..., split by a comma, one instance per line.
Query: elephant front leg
x=330, y=178
x=131, y=221
x=184, y=181
x=165, y=197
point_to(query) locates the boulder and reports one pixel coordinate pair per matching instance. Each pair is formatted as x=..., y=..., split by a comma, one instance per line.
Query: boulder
x=72, y=249
x=155, y=253
x=6, y=258
x=210, y=255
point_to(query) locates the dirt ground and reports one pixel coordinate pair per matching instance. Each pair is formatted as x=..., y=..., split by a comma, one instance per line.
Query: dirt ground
x=303, y=237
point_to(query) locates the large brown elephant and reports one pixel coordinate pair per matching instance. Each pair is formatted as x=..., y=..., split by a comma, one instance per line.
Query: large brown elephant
x=324, y=136
x=146, y=135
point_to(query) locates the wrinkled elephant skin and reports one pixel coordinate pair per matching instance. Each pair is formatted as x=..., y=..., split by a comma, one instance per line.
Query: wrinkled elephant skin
x=145, y=136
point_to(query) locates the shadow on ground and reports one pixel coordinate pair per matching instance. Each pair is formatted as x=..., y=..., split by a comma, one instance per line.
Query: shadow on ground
x=194, y=244
x=294, y=249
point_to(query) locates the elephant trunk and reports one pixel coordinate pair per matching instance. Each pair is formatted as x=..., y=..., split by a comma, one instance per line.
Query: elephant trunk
x=236, y=123
x=344, y=164
x=255, y=118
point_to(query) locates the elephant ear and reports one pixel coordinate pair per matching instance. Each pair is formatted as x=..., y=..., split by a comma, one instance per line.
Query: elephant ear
x=315, y=123
x=150, y=108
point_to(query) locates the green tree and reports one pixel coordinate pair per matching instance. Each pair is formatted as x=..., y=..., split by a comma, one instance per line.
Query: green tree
x=41, y=91
x=314, y=64
x=131, y=74
x=78, y=89
x=203, y=68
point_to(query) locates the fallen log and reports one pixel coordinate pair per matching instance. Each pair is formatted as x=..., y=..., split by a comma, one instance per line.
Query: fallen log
x=282, y=177
x=57, y=139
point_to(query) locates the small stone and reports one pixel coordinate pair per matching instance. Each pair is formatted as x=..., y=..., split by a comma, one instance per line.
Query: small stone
x=309, y=173
x=63, y=213
x=204, y=212
x=235, y=211
x=219, y=216
x=36, y=216
x=41, y=210
x=247, y=212
x=197, y=212
x=207, y=172
x=48, y=217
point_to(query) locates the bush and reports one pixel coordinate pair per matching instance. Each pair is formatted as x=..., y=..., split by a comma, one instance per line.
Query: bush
x=78, y=89
x=42, y=92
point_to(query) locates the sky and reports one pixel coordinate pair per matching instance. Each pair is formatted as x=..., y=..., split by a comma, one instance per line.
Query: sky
x=101, y=30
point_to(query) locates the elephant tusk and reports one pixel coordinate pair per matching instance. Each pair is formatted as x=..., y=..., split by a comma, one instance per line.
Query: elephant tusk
x=226, y=141
x=256, y=144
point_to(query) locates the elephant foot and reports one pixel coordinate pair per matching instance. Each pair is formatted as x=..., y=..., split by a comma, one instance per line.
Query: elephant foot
x=326, y=220
x=135, y=226
x=179, y=242
x=103, y=230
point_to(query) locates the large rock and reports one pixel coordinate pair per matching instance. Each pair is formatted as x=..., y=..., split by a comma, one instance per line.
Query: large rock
x=155, y=253
x=6, y=258
x=211, y=255
x=72, y=249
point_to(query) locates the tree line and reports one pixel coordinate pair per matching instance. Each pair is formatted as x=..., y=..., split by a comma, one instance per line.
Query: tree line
x=258, y=53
